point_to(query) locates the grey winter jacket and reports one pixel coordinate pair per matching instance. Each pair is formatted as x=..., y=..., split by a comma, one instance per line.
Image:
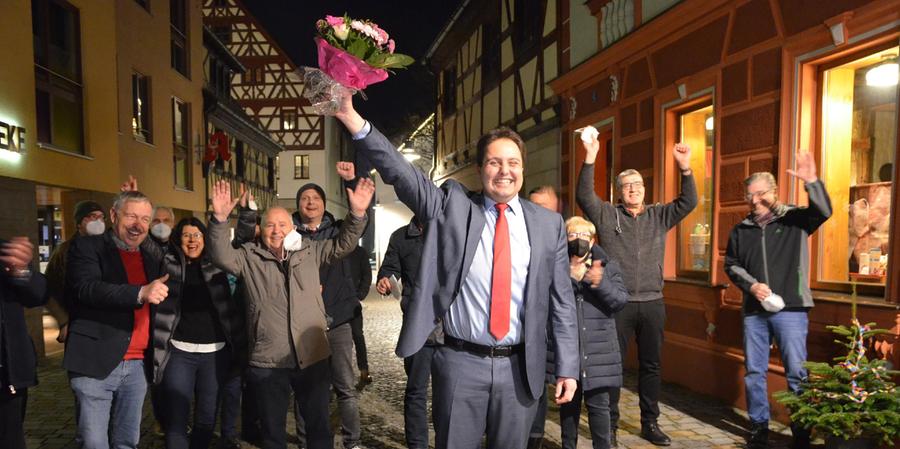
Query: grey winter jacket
x=777, y=255
x=286, y=319
x=637, y=243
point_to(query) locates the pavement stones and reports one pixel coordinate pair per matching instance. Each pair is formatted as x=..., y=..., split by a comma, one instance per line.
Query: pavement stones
x=693, y=421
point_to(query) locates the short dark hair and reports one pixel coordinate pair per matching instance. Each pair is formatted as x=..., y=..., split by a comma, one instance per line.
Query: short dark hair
x=502, y=132
x=179, y=229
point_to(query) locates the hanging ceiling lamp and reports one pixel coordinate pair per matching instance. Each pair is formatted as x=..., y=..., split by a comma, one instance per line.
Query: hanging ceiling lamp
x=884, y=74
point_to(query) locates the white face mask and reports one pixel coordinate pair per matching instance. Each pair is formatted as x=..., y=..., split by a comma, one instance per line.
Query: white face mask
x=95, y=227
x=293, y=241
x=161, y=231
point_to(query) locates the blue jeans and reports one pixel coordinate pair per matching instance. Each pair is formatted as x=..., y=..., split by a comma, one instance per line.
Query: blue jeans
x=788, y=329
x=230, y=406
x=193, y=377
x=110, y=408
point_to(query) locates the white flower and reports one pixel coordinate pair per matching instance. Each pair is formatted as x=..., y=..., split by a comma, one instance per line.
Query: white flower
x=341, y=31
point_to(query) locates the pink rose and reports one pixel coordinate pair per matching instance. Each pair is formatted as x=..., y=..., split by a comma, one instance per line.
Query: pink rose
x=391, y=46
x=334, y=21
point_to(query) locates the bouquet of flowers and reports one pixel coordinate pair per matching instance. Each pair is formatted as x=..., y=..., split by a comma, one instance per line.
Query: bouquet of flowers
x=353, y=54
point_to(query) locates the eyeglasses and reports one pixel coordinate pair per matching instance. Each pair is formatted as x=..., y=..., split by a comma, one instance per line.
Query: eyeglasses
x=575, y=235
x=750, y=195
x=192, y=236
x=633, y=185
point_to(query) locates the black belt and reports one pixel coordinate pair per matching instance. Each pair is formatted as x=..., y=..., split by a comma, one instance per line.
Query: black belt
x=490, y=351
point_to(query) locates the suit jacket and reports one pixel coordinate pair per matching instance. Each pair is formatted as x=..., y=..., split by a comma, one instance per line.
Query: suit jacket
x=102, y=318
x=454, y=220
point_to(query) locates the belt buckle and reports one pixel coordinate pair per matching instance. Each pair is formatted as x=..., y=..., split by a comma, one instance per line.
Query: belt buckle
x=499, y=351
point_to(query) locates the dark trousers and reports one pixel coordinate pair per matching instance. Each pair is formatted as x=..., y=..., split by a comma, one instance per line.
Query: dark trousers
x=475, y=395
x=415, y=409
x=597, y=402
x=359, y=342
x=272, y=391
x=12, y=418
x=646, y=321
x=230, y=407
x=196, y=377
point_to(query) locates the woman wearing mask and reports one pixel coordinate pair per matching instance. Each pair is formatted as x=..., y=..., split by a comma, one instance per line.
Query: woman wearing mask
x=599, y=293
x=198, y=338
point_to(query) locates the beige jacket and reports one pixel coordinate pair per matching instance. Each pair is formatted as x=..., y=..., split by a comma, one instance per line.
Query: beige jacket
x=284, y=301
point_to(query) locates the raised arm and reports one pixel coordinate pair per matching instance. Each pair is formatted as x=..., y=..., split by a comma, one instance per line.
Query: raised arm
x=353, y=225
x=412, y=186
x=819, y=208
x=687, y=200
x=585, y=195
x=221, y=252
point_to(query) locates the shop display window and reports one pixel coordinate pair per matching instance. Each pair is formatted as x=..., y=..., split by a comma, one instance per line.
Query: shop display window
x=858, y=141
x=696, y=128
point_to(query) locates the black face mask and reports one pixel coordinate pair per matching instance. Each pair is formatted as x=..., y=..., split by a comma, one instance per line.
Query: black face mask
x=579, y=247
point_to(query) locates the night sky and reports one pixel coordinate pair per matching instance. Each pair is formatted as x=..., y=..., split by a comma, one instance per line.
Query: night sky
x=397, y=105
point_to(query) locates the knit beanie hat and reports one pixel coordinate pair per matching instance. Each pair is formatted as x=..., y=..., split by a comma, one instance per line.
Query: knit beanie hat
x=85, y=208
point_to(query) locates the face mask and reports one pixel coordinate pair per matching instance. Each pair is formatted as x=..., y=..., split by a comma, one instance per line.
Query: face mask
x=579, y=247
x=95, y=227
x=161, y=231
x=293, y=240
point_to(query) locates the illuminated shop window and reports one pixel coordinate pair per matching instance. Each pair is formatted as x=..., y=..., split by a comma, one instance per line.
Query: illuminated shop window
x=696, y=128
x=858, y=146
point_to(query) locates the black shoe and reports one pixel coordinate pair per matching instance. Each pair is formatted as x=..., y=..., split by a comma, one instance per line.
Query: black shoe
x=759, y=436
x=613, y=441
x=652, y=433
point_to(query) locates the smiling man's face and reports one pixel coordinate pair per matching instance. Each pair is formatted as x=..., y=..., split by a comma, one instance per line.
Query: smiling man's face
x=501, y=171
x=132, y=222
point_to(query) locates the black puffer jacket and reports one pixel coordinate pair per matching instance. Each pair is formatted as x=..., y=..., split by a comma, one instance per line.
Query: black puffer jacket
x=598, y=343
x=17, y=355
x=228, y=310
x=340, y=288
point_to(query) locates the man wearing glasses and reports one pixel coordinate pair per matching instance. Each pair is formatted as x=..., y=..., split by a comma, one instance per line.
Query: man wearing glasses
x=634, y=234
x=768, y=258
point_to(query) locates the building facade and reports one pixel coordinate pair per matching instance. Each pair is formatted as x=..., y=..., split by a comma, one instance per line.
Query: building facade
x=90, y=98
x=270, y=92
x=748, y=84
x=493, y=61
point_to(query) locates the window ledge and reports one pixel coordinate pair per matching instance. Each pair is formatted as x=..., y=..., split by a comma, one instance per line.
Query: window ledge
x=183, y=190
x=697, y=282
x=843, y=298
x=54, y=148
x=141, y=140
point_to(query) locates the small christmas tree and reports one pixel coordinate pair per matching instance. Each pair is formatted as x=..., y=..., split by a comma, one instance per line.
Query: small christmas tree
x=855, y=397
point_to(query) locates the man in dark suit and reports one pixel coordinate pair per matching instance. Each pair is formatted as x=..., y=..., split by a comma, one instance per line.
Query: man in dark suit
x=494, y=268
x=114, y=280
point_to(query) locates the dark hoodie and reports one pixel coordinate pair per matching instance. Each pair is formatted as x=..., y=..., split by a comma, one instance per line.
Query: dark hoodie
x=342, y=280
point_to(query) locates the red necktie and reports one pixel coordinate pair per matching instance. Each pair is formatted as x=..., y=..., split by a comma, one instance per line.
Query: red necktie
x=501, y=279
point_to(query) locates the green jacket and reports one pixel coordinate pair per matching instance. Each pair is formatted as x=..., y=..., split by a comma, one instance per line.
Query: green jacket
x=284, y=299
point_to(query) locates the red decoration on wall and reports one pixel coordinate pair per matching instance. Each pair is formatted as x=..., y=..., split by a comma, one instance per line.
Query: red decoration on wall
x=217, y=147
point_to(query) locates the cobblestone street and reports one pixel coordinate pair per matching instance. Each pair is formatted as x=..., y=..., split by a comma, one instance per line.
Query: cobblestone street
x=692, y=421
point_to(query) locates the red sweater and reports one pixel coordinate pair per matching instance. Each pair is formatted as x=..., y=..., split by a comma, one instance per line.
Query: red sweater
x=140, y=334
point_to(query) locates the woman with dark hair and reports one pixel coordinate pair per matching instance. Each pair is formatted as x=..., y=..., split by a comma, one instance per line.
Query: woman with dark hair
x=198, y=338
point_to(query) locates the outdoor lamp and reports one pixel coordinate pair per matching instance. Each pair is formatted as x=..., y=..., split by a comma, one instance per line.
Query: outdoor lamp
x=884, y=74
